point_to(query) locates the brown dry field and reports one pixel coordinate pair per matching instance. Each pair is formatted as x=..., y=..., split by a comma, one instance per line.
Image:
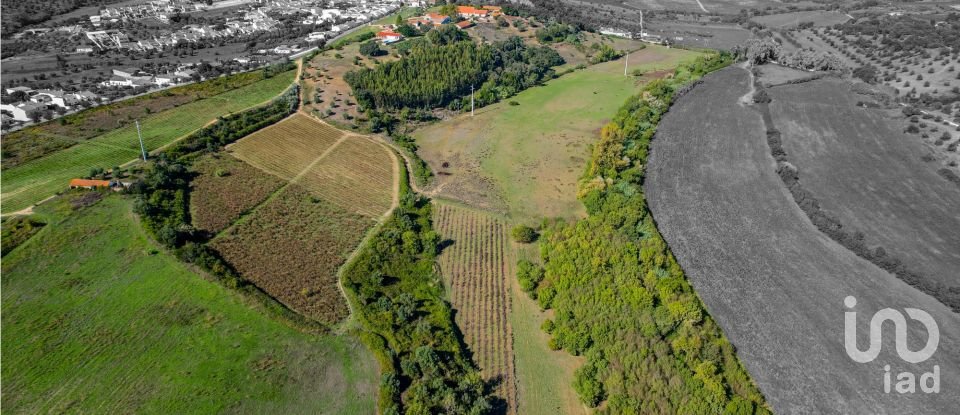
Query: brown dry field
x=477, y=270
x=291, y=247
x=357, y=175
x=286, y=148
x=216, y=201
x=773, y=281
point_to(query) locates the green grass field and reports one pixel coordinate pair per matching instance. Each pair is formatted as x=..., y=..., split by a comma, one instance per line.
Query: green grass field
x=36, y=180
x=544, y=376
x=526, y=159
x=97, y=321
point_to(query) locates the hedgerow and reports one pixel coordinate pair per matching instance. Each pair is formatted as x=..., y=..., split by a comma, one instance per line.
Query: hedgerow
x=399, y=299
x=619, y=295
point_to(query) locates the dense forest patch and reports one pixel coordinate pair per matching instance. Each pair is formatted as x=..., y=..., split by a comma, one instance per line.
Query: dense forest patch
x=440, y=70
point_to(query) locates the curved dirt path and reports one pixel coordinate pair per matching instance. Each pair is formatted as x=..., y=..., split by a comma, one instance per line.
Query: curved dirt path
x=772, y=280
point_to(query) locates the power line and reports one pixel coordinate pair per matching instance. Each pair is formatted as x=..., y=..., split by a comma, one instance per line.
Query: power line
x=143, y=150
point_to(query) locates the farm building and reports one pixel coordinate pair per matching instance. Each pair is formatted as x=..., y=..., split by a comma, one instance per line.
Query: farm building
x=464, y=24
x=89, y=184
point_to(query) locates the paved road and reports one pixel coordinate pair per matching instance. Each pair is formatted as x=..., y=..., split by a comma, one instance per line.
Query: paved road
x=773, y=281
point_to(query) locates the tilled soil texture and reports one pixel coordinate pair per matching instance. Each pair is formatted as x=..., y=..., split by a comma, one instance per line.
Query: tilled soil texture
x=773, y=281
x=872, y=177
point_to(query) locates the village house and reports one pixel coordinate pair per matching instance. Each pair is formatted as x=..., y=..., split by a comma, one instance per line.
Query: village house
x=429, y=19
x=389, y=36
x=21, y=111
x=58, y=98
x=470, y=12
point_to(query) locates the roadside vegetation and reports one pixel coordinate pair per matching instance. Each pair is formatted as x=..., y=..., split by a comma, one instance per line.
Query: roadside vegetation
x=620, y=298
x=33, y=181
x=39, y=140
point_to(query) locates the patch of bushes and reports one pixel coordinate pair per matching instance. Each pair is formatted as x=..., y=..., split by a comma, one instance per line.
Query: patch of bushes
x=524, y=234
x=620, y=298
x=18, y=230
x=399, y=299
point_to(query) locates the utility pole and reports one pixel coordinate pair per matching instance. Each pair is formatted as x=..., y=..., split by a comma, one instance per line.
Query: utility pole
x=626, y=63
x=471, y=100
x=641, y=25
x=143, y=150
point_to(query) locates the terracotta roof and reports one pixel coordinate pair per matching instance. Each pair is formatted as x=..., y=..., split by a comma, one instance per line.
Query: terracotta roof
x=464, y=24
x=471, y=10
x=89, y=183
x=388, y=33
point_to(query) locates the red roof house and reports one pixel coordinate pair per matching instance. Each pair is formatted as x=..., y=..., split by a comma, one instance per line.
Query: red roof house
x=469, y=11
x=389, y=36
x=88, y=184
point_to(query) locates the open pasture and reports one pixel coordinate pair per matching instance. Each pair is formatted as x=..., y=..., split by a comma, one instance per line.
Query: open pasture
x=224, y=189
x=98, y=319
x=33, y=181
x=38, y=140
x=287, y=148
x=525, y=159
x=291, y=247
x=477, y=269
x=771, y=279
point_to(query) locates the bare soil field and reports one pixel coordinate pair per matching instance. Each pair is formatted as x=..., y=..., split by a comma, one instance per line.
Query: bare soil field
x=291, y=247
x=870, y=175
x=774, y=282
x=477, y=269
x=225, y=188
x=326, y=94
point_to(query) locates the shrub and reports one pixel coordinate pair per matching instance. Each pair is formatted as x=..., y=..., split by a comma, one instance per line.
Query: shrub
x=529, y=276
x=524, y=234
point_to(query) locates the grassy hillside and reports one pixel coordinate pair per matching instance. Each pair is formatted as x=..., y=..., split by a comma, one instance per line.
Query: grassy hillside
x=526, y=158
x=97, y=320
x=35, y=180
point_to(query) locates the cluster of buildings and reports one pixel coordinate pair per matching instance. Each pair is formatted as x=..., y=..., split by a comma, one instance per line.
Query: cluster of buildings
x=250, y=22
x=133, y=77
x=34, y=102
x=468, y=14
x=161, y=10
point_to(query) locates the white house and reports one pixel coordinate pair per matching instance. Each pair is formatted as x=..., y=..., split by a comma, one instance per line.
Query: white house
x=21, y=111
x=166, y=79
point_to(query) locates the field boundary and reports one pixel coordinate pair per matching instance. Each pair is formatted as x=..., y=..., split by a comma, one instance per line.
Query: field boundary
x=158, y=150
x=843, y=235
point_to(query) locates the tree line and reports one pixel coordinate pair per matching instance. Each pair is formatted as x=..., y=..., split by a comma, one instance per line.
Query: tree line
x=619, y=296
x=400, y=301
